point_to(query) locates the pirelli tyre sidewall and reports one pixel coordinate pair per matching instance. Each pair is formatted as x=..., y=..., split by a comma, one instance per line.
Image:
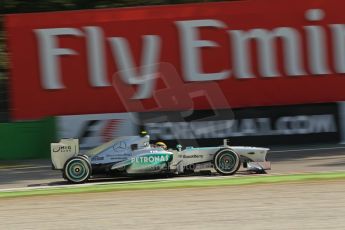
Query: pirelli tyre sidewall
x=77, y=170
x=226, y=162
x=87, y=159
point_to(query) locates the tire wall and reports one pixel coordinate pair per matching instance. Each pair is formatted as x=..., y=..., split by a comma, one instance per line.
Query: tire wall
x=27, y=140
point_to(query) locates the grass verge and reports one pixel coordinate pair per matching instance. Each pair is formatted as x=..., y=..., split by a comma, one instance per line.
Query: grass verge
x=172, y=184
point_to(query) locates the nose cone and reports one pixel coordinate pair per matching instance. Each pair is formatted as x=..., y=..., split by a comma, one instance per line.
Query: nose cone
x=265, y=150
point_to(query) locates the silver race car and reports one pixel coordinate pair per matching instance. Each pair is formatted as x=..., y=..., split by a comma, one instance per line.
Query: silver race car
x=134, y=155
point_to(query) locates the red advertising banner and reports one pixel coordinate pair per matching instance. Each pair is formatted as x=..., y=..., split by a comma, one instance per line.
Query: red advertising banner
x=193, y=56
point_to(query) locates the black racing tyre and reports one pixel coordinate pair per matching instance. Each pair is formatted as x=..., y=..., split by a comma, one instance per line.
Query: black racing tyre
x=77, y=170
x=226, y=162
x=86, y=158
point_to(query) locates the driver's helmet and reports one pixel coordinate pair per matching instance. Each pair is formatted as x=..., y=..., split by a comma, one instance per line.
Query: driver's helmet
x=161, y=144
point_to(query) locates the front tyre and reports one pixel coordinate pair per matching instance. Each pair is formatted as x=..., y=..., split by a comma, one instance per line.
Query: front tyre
x=226, y=162
x=77, y=170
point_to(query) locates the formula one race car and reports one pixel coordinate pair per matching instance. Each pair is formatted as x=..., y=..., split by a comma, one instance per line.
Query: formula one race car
x=134, y=155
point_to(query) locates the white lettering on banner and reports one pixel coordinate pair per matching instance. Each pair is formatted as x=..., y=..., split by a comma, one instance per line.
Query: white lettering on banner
x=96, y=50
x=339, y=46
x=143, y=74
x=287, y=125
x=316, y=43
x=48, y=50
x=267, y=60
x=191, y=46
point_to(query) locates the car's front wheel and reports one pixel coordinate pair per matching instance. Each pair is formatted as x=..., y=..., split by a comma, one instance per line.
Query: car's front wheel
x=77, y=170
x=226, y=162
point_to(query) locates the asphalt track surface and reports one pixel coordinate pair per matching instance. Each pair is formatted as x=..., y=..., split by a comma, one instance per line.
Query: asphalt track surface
x=308, y=205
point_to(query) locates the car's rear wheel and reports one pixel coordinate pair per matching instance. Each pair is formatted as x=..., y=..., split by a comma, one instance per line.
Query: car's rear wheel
x=226, y=162
x=77, y=170
x=86, y=158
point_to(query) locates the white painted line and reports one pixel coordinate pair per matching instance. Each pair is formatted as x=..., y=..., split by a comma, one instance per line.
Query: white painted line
x=117, y=182
x=102, y=183
x=9, y=168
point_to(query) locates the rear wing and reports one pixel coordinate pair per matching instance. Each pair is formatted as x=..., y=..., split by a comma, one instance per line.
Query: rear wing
x=62, y=151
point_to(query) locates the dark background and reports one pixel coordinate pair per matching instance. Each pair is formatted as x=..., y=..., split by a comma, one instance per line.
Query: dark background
x=273, y=113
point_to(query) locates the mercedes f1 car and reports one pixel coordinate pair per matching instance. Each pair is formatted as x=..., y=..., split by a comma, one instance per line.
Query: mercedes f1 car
x=134, y=155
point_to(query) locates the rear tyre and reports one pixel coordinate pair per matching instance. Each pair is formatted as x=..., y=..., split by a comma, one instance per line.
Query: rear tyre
x=226, y=162
x=77, y=170
x=86, y=158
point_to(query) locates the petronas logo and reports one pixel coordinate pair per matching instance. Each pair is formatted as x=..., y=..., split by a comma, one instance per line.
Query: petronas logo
x=150, y=159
